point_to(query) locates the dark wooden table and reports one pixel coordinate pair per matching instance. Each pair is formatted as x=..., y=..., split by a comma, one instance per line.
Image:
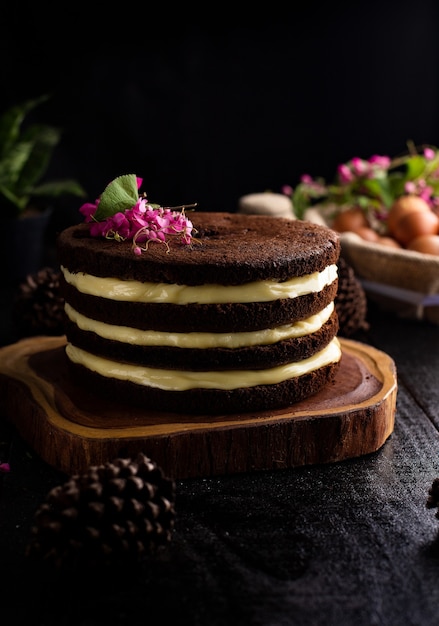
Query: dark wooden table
x=342, y=544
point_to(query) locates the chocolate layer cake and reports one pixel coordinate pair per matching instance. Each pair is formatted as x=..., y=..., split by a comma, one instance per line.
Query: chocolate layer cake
x=243, y=319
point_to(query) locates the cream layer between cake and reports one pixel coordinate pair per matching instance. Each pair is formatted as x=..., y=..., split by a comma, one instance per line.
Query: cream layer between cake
x=163, y=293
x=178, y=380
x=200, y=340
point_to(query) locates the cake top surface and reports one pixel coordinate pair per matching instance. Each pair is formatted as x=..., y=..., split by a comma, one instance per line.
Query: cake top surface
x=127, y=237
x=227, y=248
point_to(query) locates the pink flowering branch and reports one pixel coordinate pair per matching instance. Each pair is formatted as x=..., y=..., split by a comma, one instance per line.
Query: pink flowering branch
x=372, y=184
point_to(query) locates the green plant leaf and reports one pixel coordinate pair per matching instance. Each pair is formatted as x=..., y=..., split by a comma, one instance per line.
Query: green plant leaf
x=13, y=202
x=25, y=154
x=119, y=195
x=396, y=184
x=12, y=163
x=43, y=140
x=58, y=188
x=415, y=166
x=11, y=121
x=378, y=188
x=305, y=195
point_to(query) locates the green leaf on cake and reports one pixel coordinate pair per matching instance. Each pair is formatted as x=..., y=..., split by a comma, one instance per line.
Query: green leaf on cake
x=118, y=196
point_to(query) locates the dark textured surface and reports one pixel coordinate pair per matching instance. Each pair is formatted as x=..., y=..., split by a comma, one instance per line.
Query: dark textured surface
x=336, y=545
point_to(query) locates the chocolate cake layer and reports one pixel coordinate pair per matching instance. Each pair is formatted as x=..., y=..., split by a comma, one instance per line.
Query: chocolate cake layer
x=226, y=317
x=195, y=359
x=231, y=249
x=208, y=401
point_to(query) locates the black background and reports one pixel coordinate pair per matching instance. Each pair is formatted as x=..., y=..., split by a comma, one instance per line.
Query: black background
x=210, y=104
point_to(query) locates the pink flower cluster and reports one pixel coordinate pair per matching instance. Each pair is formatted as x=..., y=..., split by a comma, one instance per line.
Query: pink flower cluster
x=361, y=168
x=372, y=184
x=421, y=187
x=141, y=224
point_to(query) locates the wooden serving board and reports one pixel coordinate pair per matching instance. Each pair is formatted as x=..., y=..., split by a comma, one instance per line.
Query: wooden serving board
x=71, y=429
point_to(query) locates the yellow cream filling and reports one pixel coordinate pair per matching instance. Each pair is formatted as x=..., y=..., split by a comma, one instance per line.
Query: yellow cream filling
x=259, y=291
x=135, y=336
x=177, y=380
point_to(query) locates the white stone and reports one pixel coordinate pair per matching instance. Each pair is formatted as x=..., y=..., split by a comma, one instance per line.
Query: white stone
x=266, y=203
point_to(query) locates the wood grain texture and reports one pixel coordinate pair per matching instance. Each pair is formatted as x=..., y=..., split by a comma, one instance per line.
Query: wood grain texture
x=71, y=429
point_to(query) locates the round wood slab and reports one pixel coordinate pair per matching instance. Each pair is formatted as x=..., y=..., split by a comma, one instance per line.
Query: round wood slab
x=71, y=429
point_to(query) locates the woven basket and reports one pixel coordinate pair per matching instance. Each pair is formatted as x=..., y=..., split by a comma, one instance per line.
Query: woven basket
x=401, y=281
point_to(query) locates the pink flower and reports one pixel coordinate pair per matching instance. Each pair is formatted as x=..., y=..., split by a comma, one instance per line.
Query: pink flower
x=5, y=468
x=306, y=178
x=119, y=224
x=359, y=166
x=383, y=162
x=344, y=173
x=88, y=210
x=422, y=189
x=98, y=229
x=429, y=154
x=426, y=193
x=161, y=222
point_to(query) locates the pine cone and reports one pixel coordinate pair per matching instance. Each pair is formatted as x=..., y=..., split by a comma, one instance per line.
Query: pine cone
x=39, y=308
x=113, y=514
x=350, y=302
